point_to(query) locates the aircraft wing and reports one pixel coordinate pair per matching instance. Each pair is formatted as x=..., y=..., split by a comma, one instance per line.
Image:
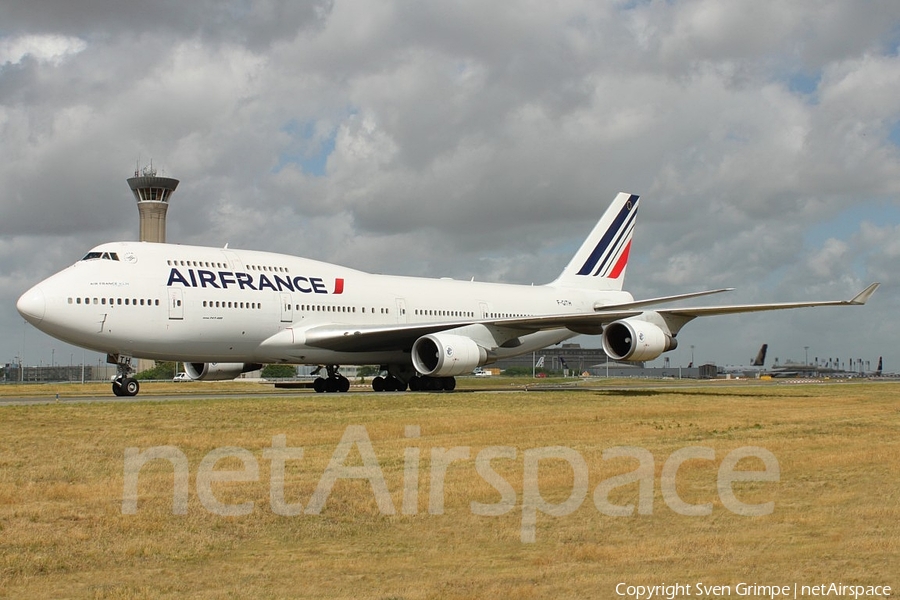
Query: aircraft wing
x=365, y=338
x=704, y=311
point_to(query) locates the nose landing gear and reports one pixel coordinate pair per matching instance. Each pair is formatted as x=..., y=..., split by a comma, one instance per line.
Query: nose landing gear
x=123, y=384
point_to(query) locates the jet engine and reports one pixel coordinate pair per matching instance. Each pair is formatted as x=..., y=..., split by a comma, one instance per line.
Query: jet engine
x=446, y=355
x=218, y=371
x=631, y=339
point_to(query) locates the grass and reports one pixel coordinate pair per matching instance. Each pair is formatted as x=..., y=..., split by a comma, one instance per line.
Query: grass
x=63, y=533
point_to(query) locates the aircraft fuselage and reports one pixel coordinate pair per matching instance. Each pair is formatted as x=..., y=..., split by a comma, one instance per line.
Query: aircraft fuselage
x=201, y=304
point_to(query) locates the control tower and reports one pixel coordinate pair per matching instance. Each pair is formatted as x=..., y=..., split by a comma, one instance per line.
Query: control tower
x=152, y=194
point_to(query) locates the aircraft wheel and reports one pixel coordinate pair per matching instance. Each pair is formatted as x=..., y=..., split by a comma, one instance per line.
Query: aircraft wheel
x=331, y=385
x=343, y=384
x=130, y=387
x=414, y=384
x=319, y=385
x=449, y=383
x=378, y=384
x=117, y=387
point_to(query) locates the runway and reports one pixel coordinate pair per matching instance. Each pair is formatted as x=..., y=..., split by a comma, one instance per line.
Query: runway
x=69, y=394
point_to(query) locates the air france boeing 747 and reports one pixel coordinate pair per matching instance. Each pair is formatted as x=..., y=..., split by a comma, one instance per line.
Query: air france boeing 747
x=225, y=311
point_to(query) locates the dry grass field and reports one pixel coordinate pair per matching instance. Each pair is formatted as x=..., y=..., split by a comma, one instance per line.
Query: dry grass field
x=836, y=514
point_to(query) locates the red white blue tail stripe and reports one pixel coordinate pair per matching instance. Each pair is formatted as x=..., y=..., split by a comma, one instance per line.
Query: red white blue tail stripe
x=610, y=255
x=600, y=262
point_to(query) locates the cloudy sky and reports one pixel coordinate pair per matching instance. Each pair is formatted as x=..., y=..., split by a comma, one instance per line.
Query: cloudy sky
x=474, y=139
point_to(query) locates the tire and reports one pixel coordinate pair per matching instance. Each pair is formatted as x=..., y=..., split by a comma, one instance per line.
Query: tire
x=448, y=383
x=343, y=385
x=130, y=387
x=319, y=385
x=378, y=384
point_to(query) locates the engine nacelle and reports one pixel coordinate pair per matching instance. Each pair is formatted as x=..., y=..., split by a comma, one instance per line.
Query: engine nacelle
x=446, y=355
x=218, y=371
x=631, y=339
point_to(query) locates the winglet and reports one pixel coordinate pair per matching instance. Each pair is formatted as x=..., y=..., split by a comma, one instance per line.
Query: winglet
x=863, y=296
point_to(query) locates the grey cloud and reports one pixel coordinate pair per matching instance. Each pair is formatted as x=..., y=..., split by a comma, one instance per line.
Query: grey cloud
x=469, y=139
x=255, y=23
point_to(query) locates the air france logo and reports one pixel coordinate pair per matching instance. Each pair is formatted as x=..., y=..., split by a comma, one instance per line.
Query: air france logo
x=222, y=280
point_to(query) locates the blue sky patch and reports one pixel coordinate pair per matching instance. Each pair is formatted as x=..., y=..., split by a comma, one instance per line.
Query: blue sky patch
x=846, y=223
x=309, y=148
x=804, y=84
x=894, y=134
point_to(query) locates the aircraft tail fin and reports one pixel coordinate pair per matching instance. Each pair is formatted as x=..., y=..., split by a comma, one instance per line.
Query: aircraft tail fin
x=600, y=262
x=760, y=359
x=878, y=370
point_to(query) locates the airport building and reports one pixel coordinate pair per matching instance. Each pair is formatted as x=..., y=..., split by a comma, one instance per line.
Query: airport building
x=13, y=373
x=574, y=360
x=152, y=194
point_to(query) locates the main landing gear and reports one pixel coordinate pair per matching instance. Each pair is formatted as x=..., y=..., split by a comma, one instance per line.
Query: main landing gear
x=335, y=382
x=399, y=379
x=123, y=384
x=417, y=383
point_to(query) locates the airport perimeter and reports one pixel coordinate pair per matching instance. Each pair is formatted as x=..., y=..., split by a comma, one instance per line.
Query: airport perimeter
x=611, y=491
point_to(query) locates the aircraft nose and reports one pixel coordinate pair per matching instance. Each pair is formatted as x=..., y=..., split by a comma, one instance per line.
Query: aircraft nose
x=32, y=305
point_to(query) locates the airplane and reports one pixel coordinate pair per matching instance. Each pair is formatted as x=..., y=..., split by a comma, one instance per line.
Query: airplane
x=756, y=366
x=226, y=311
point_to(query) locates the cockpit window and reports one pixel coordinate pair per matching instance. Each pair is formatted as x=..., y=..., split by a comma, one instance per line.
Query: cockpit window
x=101, y=255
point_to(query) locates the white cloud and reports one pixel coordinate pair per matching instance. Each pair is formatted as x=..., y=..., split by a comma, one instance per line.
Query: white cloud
x=52, y=49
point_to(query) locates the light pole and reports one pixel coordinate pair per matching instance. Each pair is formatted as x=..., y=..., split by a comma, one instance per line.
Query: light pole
x=807, y=355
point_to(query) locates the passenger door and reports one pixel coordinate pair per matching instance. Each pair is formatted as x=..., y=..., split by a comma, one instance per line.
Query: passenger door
x=176, y=303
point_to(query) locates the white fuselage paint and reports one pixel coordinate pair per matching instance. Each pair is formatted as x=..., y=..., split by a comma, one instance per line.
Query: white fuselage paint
x=137, y=306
